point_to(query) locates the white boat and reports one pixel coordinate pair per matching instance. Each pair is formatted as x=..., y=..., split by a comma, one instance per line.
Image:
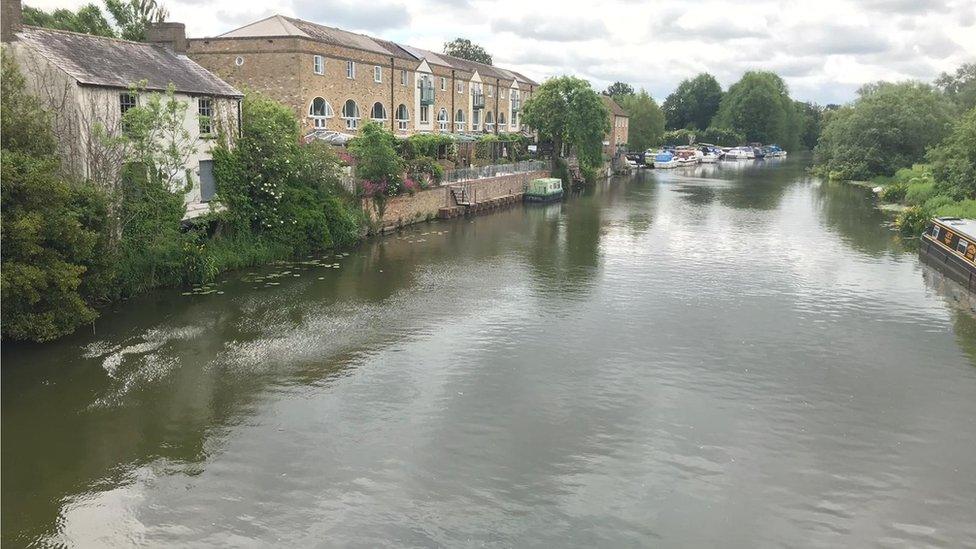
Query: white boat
x=709, y=158
x=740, y=153
x=664, y=159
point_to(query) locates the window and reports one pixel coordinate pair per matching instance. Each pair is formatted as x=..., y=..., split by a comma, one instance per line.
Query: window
x=501, y=93
x=935, y=231
x=205, y=112
x=126, y=101
x=501, y=122
x=377, y=74
x=351, y=69
x=460, y=87
x=350, y=113
x=318, y=64
x=961, y=246
x=491, y=90
x=239, y=61
x=489, y=122
x=476, y=120
x=425, y=114
x=320, y=111
x=378, y=113
x=459, y=121
x=443, y=84
x=442, y=120
x=403, y=78
x=402, y=117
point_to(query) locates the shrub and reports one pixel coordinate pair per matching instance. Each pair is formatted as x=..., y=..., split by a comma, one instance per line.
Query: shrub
x=912, y=221
x=425, y=168
x=894, y=192
x=954, y=161
x=376, y=157
x=919, y=192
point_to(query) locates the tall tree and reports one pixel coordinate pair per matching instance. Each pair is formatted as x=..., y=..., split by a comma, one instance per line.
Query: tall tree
x=889, y=126
x=954, y=160
x=811, y=123
x=961, y=86
x=134, y=17
x=466, y=49
x=619, y=89
x=89, y=19
x=759, y=107
x=567, y=111
x=694, y=103
x=646, y=125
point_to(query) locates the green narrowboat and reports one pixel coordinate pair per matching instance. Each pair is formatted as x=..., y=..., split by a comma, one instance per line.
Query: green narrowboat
x=950, y=244
x=545, y=189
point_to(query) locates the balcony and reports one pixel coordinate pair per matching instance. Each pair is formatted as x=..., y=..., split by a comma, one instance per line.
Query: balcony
x=478, y=100
x=426, y=94
x=516, y=104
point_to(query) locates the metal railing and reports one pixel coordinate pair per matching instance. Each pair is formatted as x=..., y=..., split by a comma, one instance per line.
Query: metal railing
x=426, y=94
x=478, y=100
x=494, y=170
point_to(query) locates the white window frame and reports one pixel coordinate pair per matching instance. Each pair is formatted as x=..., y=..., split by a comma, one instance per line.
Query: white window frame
x=460, y=86
x=443, y=84
x=318, y=64
x=491, y=90
x=476, y=120
x=425, y=114
x=404, y=81
x=403, y=123
x=351, y=70
x=378, y=74
x=459, y=121
x=373, y=109
x=320, y=121
x=205, y=118
x=352, y=122
x=489, y=122
x=443, y=122
x=501, y=121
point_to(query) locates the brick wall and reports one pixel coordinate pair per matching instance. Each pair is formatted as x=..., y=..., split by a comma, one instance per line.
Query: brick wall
x=407, y=209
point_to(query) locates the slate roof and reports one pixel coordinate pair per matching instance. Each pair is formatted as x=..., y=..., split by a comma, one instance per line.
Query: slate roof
x=109, y=62
x=279, y=25
x=614, y=107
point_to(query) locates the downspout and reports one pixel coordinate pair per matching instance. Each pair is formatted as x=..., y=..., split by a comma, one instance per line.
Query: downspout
x=453, y=91
x=240, y=119
x=392, y=101
x=497, y=90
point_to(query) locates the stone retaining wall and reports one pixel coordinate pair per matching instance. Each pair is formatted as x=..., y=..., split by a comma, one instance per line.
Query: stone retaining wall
x=424, y=205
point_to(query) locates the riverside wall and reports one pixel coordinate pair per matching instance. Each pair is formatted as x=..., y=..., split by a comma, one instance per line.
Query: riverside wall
x=425, y=205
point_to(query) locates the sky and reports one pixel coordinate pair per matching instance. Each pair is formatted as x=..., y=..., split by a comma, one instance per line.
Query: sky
x=825, y=49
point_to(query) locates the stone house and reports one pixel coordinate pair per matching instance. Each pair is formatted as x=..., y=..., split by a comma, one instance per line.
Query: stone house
x=87, y=83
x=335, y=79
x=616, y=140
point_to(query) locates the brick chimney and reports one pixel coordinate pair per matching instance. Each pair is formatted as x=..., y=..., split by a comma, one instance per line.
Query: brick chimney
x=168, y=34
x=11, y=19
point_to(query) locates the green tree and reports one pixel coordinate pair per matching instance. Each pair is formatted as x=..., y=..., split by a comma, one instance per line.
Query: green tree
x=694, y=103
x=646, y=125
x=960, y=87
x=465, y=49
x=619, y=89
x=89, y=19
x=566, y=111
x=134, y=17
x=51, y=226
x=889, y=126
x=811, y=123
x=954, y=160
x=274, y=188
x=759, y=107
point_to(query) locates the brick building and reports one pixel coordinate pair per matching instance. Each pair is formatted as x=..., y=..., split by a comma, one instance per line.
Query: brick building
x=619, y=127
x=336, y=79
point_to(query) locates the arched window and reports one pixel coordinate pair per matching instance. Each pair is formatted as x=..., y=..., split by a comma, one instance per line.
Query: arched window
x=489, y=122
x=350, y=112
x=501, y=122
x=459, y=121
x=442, y=120
x=319, y=111
x=379, y=112
x=402, y=117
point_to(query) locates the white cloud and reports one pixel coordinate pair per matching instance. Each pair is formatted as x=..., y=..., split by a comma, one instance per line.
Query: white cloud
x=824, y=49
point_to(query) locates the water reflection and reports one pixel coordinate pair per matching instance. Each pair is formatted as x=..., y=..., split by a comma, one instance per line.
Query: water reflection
x=738, y=346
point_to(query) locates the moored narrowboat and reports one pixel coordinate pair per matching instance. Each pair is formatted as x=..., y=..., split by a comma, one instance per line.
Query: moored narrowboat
x=545, y=189
x=949, y=243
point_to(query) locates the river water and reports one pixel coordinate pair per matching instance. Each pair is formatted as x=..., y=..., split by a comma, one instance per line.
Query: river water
x=736, y=355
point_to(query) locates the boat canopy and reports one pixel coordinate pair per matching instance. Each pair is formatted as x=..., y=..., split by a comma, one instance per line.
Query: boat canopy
x=663, y=157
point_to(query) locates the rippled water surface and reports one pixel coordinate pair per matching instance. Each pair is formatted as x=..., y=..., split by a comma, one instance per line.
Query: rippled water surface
x=737, y=355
